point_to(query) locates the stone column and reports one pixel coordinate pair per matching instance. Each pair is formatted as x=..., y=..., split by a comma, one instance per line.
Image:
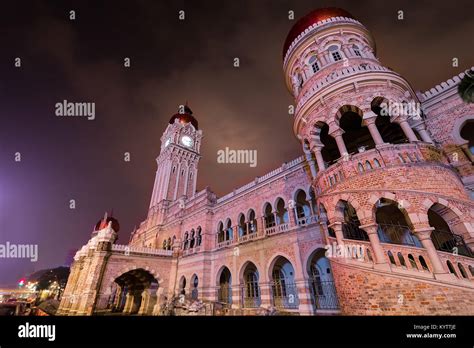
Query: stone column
x=322, y=59
x=346, y=50
x=407, y=130
x=292, y=216
x=421, y=129
x=424, y=235
x=337, y=134
x=337, y=227
x=319, y=157
x=379, y=255
x=310, y=161
x=261, y=226
x=369, y=121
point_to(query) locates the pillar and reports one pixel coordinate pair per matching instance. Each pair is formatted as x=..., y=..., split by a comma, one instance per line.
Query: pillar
x=379, y=256
x=337, y=134
x=319, y=157
x=424, y=235
x=346, y=50
x=421, y=129
x=310, y=161
x=369, y=120
x=337, y=227
x=292, y=216
x=408, y=131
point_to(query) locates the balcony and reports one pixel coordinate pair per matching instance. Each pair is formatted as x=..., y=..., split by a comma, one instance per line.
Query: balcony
x=277, y=229
x=369, y=161
x=127, y=250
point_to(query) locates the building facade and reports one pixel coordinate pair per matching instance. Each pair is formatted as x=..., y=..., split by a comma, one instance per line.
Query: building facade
x=376, y=217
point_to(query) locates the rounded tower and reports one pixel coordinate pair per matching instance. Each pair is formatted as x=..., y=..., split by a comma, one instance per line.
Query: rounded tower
x=382, y=184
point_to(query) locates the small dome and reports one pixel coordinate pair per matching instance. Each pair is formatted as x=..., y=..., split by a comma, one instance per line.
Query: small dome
x=185, y=117
x=311, y=18
x=104, y=222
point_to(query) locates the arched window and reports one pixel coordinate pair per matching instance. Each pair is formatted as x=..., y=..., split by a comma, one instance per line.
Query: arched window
x=220, y=232
x=368, y=166
x=412, y=261
x=462, y=270
x=423, y=263
x=334, y=51
x=356, y=50
x=313, y=61
x=164, y=244
x=252, y=221
x=281, y=212
x=251, y=289
x=199, y=236
x=393, y=224
x=351, y=224
x=268, y=216
x=401, y=259
x=376, y=163
x=186, y=241
x=451, y=268
x=360, y=167
x=242, y=226
x=194, y=284
x=192, y=239
x=471, y=269
x=229, y=232
x=169, y=244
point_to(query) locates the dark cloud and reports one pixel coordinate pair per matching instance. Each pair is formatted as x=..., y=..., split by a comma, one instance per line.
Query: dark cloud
x=172, y=61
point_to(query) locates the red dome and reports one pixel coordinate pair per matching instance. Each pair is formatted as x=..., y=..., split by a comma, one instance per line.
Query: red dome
x=186, y=117
x=311, y=18
x=103, y=223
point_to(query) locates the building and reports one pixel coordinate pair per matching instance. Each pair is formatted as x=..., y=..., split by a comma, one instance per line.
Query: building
x=386, y=180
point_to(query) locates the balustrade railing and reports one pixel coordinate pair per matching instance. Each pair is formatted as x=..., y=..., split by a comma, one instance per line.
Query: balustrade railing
x=307, y=220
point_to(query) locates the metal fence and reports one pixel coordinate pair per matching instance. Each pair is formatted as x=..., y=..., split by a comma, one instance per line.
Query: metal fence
x=450, y=242
x=250, y=295
x=284, y=295
x=324, y=293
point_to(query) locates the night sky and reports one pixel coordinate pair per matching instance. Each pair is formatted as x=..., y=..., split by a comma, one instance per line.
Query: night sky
x=172, y=61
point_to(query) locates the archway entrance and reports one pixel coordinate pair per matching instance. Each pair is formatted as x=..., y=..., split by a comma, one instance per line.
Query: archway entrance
x=284, y=291
x=250, y=288
x=224, y=291
x=321, y=282
x=134, y=292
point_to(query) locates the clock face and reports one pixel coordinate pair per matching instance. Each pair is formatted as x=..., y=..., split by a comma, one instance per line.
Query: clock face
x=167, y=142
x=187, y=141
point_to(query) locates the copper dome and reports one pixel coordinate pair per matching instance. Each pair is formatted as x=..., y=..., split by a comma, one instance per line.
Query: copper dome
x=311, y=18
x=185, y=117
x=104, y=222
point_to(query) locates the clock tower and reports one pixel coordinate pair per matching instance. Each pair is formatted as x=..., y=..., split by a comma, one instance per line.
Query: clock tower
x=176, y=175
